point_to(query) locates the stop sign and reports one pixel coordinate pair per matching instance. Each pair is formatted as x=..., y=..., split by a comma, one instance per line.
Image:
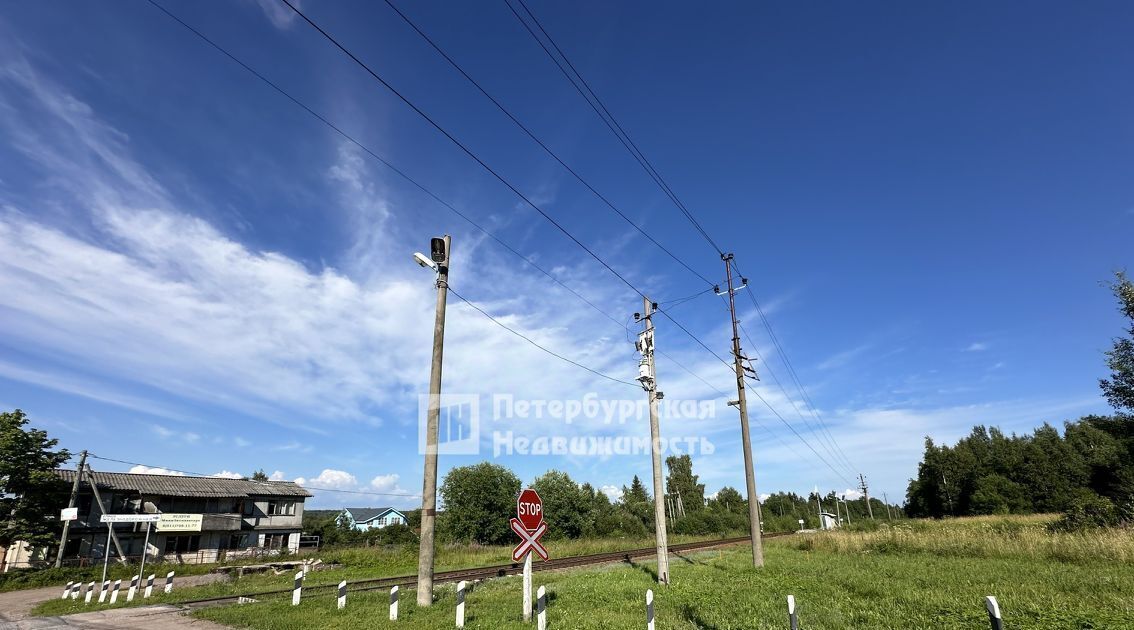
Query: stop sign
x=529, y=509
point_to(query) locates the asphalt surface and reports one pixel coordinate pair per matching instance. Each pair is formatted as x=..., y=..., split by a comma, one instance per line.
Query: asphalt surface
x=16, y=607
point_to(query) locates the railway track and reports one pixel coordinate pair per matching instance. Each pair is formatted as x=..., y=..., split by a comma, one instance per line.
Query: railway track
x=478, y=573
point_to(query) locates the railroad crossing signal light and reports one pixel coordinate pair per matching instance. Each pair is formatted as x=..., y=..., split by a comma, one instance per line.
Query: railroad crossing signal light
x=437, y=250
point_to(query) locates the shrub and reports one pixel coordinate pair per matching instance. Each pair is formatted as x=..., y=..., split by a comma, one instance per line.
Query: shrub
x=1087, y=510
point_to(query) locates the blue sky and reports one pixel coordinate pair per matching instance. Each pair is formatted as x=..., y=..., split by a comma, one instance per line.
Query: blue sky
x=198, y=275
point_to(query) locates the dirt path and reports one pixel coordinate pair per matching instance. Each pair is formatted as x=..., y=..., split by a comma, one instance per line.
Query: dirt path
x=160, y=617
x=17, y=605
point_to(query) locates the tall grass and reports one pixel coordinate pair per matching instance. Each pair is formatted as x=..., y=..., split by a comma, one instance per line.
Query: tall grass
x=979, y=537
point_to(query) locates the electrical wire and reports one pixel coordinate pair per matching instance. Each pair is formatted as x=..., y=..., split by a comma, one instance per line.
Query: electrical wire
x=338, y=130
x=460, y=145
x=542, y=144
x=536, y=344
x=452, y=208
x=611, y=122
x=795, y=377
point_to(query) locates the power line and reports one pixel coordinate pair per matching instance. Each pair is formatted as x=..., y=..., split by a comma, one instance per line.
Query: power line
x=460, y=145
x=534, y=343
x=349, y=138
x=795, y=378
x=542, y=145
x=757, y=393
x=611, y=122
x=400, y=173
x=304, y=486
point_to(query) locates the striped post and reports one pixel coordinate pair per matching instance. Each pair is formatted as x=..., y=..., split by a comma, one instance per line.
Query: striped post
x=993, y=613
x=133, y=588
x=297, y=590
x=541, y=609
x=461, y=604
x=75, y=588
x=649, y=609
x=90, y=593
x=394, y=603
x=793, y=618
x=342, y=595
x=114, y=593
x=103, y=591
x=67, y=590
x=169, y=582
x=149, y=586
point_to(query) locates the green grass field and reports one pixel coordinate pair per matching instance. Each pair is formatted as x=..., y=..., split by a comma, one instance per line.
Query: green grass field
x=934, y=577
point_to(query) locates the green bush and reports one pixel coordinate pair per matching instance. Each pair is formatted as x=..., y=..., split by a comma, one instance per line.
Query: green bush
x=1087, y=510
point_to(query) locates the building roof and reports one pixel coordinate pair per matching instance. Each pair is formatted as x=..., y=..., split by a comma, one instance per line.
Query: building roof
x=361, y=515
x=187, y=486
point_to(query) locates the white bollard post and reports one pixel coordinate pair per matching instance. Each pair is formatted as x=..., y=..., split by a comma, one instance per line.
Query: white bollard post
x=342, y=595
x=133, y=588
x=114, y=593
x=993, y=613
x=103, y=591
x=541, y=609
x=649, y=609
x=67, y=590
x=169, y=582
x=528, y=586
x=793, y=619
x=461, y=604
x=149, y=586
x=90, y=593
x=394, y=604
x=297, y=590
x=75, y=590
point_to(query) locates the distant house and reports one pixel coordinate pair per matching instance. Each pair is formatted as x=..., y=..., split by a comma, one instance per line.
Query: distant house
x=363, y=519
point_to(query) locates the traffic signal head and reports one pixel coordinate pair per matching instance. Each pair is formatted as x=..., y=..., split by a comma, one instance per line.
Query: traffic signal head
x=437, y=250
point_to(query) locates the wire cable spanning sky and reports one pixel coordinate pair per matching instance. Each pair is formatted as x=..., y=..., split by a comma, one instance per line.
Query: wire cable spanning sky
x=205, y=275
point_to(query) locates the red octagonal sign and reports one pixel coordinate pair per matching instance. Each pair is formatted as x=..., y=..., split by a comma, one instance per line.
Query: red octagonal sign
x=529, y=509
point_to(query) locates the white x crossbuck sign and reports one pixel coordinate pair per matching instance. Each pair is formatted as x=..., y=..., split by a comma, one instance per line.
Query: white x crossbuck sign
x=528, y=540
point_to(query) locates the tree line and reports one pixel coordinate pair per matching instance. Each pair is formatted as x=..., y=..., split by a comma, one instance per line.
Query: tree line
x=1086, y=472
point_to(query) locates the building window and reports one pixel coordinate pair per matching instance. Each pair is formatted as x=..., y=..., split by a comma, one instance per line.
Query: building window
x=275, y=541
x=281, y=508
x=182, y=544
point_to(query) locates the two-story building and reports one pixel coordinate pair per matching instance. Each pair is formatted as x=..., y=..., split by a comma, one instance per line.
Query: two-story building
x=363, y=519
x=239, y=517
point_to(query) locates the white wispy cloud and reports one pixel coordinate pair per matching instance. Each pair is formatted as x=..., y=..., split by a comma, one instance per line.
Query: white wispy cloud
x=227, y=474
x=155, y=470
x=279, y=14
x=843, y=358
x=976, y=346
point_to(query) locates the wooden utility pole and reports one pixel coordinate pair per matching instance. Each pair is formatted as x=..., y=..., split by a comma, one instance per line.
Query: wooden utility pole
x=647, y=376
x=866, y=496
x=102, y=510
x=745, y=438
x=71, y=504
x=432, y=422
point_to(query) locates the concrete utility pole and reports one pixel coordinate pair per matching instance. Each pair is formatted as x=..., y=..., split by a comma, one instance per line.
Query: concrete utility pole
x=647, y=376
x=745, y=438
x=866, y=496
x=439, y=254
x=889, y=514
x=71, y=504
